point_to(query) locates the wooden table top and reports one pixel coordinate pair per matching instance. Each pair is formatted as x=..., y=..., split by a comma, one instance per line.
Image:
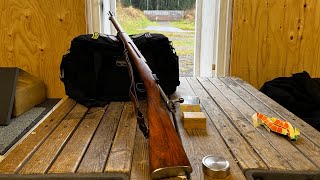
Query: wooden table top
x=104, y=141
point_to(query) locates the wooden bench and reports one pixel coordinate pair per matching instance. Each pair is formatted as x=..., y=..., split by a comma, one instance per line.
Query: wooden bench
x=74, y=141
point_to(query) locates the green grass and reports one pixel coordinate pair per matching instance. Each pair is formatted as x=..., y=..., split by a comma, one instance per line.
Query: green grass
x=182, y=42
x=184, y=52
x=135, y=26
x=184, y=24
x=133, y=21
x=185, y=42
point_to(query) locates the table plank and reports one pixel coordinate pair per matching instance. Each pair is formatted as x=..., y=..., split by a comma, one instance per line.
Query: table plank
x=20, y=154
x=199, y=143
x=96, y=156
x=71, y=155
x=311, y=133
x=256, y=141
x=140, y=162
x=250, y=106
x=44, y=156
x=120, y=157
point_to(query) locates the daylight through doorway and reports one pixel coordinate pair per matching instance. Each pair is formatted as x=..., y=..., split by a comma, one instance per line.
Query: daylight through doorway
x=172, y=18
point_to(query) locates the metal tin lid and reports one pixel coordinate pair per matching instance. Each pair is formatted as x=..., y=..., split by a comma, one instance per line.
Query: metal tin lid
x=216, y=167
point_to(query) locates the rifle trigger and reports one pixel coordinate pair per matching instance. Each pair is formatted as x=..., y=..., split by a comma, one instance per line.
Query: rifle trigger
x=142, y=126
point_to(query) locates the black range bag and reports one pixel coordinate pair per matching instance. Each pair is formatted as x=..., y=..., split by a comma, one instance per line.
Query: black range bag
x=299, y=93
x=94, y=71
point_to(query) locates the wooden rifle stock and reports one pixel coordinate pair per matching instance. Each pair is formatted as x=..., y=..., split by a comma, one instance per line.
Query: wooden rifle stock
x=166, y=154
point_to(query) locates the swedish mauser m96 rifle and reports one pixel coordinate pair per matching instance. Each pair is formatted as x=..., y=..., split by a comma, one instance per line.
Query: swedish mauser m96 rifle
x=166, y=153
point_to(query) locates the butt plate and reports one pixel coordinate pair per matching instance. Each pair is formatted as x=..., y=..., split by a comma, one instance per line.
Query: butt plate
x=171, y=172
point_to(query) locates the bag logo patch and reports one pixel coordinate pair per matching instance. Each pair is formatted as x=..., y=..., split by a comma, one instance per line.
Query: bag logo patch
x=95, y=35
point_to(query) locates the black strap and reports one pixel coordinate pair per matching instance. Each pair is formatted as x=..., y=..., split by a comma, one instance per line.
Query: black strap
x=134, y=98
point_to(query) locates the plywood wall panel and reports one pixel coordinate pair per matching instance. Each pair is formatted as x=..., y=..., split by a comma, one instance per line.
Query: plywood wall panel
x=34, y=34
x=249, y=38
x=281, y=37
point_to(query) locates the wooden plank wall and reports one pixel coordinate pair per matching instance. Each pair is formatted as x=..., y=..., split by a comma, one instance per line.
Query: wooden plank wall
x=273, y=38
x=34, y=34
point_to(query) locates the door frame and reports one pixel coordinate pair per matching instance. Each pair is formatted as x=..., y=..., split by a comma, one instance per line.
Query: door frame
x=97, y=16
x=208, y=60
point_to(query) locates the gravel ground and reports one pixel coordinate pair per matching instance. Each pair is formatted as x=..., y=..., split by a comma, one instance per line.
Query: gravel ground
x=186, y=65
x=185, y=53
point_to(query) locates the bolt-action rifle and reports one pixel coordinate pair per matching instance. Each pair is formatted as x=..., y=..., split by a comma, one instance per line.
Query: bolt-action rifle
x=166, y=154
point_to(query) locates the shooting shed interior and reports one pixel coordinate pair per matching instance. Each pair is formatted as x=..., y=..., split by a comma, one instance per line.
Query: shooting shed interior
x=256, y=41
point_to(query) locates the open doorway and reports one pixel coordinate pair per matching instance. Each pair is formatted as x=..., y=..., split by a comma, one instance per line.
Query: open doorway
x=173, y=18
x=212, y=40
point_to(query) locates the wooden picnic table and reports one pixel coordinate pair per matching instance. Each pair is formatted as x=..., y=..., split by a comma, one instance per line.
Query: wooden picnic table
x=104, y=142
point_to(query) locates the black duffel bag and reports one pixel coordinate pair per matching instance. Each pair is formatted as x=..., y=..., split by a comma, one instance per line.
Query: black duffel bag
x=94, y=71
x=299, y=93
